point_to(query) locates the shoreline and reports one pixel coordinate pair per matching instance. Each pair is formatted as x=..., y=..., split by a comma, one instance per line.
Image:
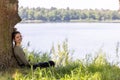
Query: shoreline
x=75, y=21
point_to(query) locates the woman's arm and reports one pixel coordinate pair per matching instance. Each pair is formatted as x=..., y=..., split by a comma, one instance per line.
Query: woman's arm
x=20, y=55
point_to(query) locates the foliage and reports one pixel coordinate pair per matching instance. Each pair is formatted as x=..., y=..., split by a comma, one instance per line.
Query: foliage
x=61, y=55
x=65, y=15
x=95, y=68
x=35, y=57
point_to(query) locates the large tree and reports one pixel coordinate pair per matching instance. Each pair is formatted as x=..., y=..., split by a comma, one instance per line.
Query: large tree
x=8, y=19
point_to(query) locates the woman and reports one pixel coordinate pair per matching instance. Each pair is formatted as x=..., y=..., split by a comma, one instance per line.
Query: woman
x=20, y=55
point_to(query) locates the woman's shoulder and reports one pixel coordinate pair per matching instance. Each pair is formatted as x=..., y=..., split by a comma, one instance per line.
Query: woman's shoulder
x=17, y=48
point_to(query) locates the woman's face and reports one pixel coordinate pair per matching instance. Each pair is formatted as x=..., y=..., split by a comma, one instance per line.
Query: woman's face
x=18, y=38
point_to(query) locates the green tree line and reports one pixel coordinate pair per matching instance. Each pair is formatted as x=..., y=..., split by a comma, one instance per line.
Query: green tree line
x=65, y=15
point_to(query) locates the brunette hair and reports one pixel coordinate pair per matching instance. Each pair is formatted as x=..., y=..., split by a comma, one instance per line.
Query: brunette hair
x=14, y=34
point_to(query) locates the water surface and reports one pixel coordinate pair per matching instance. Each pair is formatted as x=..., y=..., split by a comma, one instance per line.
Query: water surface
x=84, y=38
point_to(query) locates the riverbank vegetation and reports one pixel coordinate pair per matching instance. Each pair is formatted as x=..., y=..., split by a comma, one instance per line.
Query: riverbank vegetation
x=68, y=15
x=90, y=68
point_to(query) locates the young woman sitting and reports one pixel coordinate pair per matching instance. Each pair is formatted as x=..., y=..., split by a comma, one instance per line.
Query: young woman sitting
x=20, y=55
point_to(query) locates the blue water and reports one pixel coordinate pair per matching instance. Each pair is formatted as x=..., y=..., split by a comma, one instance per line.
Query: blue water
x=83, y=38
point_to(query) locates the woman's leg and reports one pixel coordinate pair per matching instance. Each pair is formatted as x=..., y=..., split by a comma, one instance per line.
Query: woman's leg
x=44, y=64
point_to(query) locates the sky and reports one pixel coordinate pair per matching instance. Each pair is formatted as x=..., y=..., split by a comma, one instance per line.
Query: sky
x=72, y=4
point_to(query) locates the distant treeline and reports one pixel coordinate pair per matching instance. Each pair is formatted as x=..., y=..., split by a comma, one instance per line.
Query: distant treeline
x=65, y=15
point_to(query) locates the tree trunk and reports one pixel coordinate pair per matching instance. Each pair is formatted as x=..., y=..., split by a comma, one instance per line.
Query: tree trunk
x=8, y=19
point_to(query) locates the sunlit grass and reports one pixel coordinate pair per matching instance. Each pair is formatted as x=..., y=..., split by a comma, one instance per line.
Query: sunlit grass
x=96, y=69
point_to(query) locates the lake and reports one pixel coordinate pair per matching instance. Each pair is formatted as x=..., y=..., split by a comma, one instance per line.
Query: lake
x=83, y=38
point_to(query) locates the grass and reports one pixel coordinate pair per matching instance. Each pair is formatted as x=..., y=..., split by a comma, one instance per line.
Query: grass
x=96, y=69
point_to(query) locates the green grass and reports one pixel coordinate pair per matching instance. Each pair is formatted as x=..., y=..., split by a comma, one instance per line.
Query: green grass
x=97, y=68
x=73, y=71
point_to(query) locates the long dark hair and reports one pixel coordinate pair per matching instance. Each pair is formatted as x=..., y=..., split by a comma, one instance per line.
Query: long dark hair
x=14, y=34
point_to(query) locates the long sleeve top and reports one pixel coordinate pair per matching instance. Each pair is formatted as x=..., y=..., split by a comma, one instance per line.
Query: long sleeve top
x=20, y=56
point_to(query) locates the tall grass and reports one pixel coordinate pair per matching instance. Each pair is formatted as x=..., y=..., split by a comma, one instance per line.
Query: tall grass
x=97, y=68
x=61, y=54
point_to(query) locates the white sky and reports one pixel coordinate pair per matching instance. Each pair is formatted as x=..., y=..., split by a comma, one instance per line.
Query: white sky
x=72, y=4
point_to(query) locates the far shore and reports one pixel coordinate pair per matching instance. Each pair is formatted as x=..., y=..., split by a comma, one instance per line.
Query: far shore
x=72, y=21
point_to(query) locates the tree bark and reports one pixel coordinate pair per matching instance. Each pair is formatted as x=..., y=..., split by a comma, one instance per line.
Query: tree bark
x=8, y=19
